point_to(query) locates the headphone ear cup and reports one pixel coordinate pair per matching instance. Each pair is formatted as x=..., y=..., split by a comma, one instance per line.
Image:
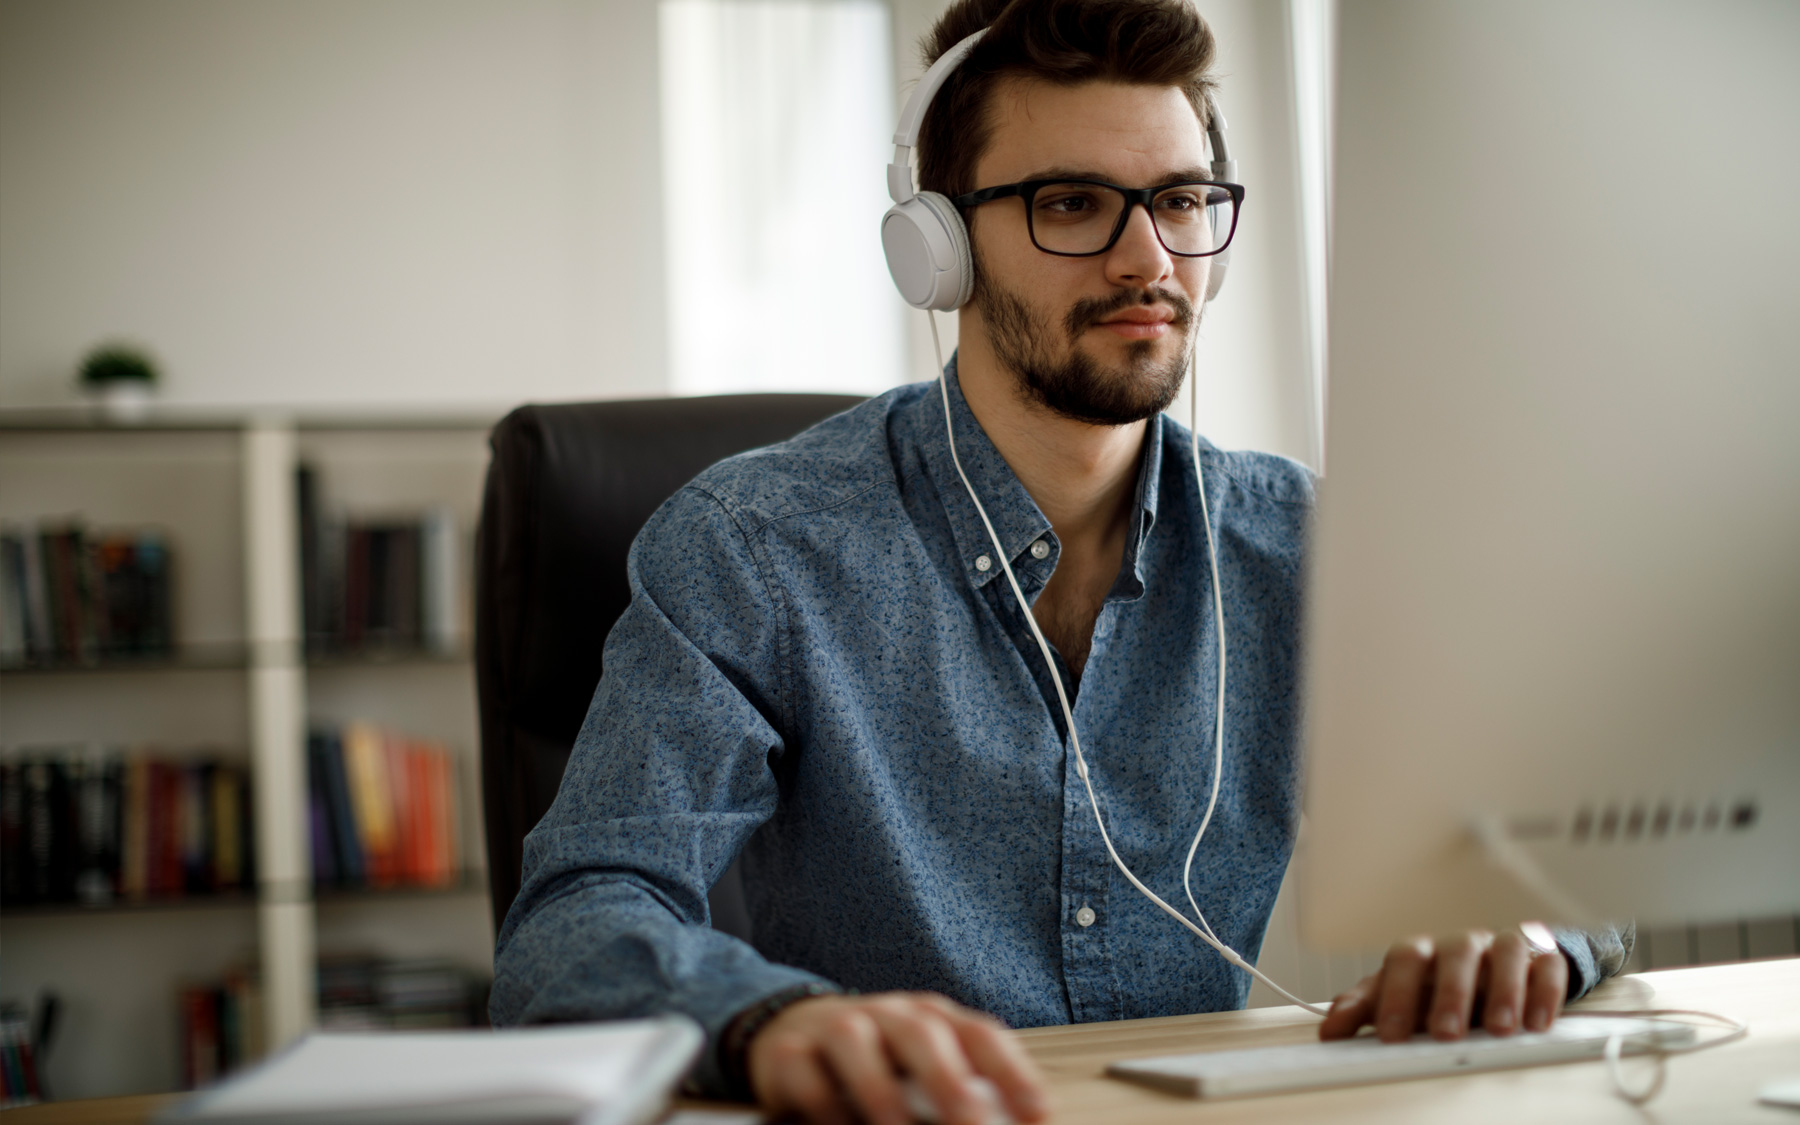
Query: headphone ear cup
x=927, y=250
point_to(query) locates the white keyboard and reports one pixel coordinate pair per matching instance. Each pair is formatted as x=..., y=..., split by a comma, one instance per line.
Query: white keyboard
x=1365, y=1059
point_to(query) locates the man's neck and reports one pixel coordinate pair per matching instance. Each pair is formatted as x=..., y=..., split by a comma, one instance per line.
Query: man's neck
x=1082, y=476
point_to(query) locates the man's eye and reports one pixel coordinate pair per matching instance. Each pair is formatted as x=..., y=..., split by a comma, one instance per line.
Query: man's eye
x=1180, y=202
x=1068, y=205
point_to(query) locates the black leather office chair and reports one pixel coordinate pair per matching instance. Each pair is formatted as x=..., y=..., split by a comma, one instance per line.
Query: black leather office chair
x=567, y=490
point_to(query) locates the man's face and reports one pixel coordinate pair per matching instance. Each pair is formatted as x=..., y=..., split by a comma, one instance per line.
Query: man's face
x=1102, y=339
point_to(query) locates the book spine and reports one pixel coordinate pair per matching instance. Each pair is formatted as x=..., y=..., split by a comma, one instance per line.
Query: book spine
x=348, y=850
x=356, y=585
x=199, y=1036
x=406, y=587
x=92, y=823
x=134, y=832
x=156, y=578
x=228, y=828
x=12, y=835
x=168, y=825
x=195, y=830
x=40, y=633
x=397, y=754
x=93, y=598
x=13, y=627
x=365, y=759
x=318, y=807
x=440, y=580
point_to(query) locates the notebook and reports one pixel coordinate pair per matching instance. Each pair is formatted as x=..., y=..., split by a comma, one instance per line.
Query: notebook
x=591, y=1074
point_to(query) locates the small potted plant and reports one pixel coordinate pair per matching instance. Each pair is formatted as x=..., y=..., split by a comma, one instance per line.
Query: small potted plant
x=121, y=379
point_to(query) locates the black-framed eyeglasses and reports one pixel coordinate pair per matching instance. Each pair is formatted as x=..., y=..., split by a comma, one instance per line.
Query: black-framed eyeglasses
x=1081, y=218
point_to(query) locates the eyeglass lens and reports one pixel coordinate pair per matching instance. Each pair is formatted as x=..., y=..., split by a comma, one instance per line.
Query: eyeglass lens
x=1079, y=218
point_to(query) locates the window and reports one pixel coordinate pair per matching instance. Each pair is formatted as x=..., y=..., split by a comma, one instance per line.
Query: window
x=776, y=116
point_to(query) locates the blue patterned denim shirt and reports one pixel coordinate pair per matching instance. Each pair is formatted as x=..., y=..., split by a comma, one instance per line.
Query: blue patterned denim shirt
x=823, y=668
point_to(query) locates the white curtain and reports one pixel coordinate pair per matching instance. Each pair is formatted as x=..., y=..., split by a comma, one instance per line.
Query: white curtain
x=776, y=116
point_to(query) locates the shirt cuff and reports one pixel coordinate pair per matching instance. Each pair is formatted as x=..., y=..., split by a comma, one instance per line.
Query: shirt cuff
x=710, y=1078
x=1594, y=955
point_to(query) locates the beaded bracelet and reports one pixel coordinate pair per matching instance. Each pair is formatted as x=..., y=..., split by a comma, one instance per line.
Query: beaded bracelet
x=734, y=1045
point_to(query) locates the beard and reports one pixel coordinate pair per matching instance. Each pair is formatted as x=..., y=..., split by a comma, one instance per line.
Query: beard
x=1071, y=382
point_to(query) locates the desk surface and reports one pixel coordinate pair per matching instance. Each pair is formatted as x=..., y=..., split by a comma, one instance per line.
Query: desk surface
x=1712, y=1087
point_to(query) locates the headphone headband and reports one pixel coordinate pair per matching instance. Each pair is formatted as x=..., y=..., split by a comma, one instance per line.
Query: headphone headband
x=912, y=118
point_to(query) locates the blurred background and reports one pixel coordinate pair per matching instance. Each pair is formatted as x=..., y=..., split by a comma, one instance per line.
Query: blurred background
x=327, y=244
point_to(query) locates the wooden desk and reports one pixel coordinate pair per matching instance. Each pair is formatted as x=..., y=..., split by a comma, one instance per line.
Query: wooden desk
x=1711, y=1087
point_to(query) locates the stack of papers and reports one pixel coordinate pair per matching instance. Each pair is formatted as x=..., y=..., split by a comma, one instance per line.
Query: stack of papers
x=594, y=1074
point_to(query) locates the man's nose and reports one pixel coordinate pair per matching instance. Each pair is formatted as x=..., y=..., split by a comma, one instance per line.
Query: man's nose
x=1138, y=258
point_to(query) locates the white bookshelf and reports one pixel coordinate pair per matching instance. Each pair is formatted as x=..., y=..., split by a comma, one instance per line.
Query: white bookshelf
x=223, y=489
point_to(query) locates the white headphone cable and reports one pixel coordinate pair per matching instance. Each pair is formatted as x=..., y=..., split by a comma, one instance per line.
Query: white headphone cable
x=1203, y=931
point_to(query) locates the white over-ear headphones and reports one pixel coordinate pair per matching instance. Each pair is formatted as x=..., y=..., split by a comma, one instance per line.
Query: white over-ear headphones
x=923, y=235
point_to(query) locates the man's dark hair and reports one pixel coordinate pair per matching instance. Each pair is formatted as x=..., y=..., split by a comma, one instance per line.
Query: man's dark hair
x=1142, y=42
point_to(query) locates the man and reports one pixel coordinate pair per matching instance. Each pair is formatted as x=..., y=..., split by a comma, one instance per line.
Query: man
x=823, y=667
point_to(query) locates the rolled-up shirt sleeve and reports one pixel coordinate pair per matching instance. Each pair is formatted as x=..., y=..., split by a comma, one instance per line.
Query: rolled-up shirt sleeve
x=672, y=772
x=1595, y=954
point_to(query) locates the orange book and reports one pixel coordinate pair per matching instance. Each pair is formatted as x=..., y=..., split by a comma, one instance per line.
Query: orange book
x=435, y=844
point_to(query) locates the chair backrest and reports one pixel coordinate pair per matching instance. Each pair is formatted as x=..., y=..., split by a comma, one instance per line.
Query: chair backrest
x=568, y=487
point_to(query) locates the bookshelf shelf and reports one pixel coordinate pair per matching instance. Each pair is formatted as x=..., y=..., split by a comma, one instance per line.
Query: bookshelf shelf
x=209, y=658
x=225, y=658
x=467, y=882
x=222, y=488
x=235, y=900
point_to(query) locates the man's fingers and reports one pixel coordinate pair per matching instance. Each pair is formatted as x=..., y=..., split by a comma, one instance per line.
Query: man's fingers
x=998, y=1056
x=794, y=1080
x=1403, y=976
x=1351, y=1009
x=1459, y=964
x=1508, y=963
x=1546, y=987
x=926, y=1048
x=853, y=1046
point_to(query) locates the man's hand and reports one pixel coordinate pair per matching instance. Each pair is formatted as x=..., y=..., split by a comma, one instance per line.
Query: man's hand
x=832, y=1059
x=1520, y=978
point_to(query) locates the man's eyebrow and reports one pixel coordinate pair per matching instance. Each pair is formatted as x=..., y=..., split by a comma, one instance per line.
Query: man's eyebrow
x=1175, y=176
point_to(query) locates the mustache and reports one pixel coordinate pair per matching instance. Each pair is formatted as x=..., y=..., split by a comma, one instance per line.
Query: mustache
x=1089, y=311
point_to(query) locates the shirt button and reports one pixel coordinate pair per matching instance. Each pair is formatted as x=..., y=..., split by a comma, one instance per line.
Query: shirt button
x=1084, y=917
x=1040, y=549
x=983, y=563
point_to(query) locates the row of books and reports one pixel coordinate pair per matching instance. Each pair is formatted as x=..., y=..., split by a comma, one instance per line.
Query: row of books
x=96, y=825
x=377, y=584
x=222, y=1021
x=68, y=595
x=19, y=1084
x=385, y=809
x=373, y=994
x=222, y=1027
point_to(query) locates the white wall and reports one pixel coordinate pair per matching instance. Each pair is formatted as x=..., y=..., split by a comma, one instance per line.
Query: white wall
x=333, y=202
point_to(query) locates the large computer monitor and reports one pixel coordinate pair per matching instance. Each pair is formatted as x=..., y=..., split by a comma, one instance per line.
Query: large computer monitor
x=1554, y=625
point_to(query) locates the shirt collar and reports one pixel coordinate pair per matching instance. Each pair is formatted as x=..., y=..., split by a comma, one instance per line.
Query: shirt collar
x=1017, y=519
